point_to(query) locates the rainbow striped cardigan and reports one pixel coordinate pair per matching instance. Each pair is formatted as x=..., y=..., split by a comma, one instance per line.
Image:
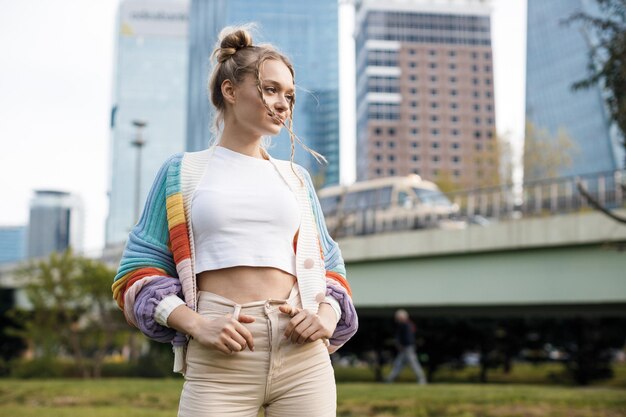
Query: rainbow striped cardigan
x=158, y=259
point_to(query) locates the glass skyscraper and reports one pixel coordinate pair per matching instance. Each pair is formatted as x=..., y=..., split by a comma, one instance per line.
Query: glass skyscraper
x=12, y=243
x=56, y=222
x=307, y=32
x=557, y=57
x=150, y=87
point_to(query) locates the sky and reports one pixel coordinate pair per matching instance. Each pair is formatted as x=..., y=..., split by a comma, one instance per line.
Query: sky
x=56, y=80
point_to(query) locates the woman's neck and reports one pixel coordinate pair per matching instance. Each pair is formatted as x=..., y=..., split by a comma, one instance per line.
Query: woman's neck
x=241, y=142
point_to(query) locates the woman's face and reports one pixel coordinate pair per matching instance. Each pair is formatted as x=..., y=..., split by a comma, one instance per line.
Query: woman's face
x=278, y=91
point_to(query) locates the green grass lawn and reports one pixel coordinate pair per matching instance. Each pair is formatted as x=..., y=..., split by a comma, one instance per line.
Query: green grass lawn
x=159, y=397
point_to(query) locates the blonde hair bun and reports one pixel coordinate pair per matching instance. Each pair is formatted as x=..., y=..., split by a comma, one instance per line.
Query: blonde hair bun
x=231, y=41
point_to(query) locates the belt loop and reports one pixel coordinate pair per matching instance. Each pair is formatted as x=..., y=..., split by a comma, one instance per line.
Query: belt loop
x=236, y=311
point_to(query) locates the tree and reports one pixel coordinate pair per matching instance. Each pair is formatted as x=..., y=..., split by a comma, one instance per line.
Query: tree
x=545, y=155
x=72, y=311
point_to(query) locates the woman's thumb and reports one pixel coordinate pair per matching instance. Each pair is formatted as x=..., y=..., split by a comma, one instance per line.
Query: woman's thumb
x=243, y=318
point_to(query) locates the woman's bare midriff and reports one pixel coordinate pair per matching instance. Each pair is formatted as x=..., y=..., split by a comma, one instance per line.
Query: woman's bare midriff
x=244, y=284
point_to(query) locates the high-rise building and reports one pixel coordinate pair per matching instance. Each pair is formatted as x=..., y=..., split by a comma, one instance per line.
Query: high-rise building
x=557, y=57
x=56, y=222
x=424, y=93
x=12, y=243
x=150, y=87
x=307, y=32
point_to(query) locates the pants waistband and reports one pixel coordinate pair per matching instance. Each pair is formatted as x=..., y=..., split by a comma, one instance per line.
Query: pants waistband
x=214, y=302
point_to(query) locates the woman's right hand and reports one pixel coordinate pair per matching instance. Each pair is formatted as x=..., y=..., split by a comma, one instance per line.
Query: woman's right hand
x=226, y=334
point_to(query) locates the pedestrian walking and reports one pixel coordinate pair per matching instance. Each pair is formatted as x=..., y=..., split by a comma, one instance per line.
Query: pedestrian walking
x=231, y=260
x=405, y=343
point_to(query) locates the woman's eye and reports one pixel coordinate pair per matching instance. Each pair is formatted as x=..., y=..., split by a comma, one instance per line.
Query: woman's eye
x=270, y=89
x=290, y=98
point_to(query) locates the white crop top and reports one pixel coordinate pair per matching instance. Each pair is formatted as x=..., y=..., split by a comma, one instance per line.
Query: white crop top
x=243, y=213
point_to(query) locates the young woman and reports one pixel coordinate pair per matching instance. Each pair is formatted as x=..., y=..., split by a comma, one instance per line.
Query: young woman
x=231, y=260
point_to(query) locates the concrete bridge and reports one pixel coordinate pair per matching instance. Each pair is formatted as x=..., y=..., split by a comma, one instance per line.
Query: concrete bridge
x=573, y=263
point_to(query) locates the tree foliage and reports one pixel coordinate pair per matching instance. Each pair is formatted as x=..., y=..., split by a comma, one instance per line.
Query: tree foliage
x=72, y=312
x=545, y=155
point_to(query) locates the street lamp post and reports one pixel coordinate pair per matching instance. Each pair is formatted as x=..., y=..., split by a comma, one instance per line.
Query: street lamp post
x=138, y=143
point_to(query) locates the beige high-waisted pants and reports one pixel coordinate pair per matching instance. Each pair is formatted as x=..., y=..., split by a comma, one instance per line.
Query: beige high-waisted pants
x=287, y=379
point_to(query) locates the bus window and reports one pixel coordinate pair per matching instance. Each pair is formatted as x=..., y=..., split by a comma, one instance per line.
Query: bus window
x=404, y=200
x=432, y=197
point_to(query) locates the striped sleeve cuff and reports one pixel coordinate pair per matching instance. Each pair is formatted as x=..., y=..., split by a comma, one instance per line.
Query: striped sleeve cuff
x=334, y=304
x=165, y=308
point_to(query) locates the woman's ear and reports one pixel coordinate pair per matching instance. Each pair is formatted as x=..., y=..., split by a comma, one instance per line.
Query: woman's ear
x=228, y=91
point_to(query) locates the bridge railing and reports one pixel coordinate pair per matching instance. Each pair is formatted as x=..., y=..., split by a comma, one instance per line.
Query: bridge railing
x=485, y=206
x=541, y=198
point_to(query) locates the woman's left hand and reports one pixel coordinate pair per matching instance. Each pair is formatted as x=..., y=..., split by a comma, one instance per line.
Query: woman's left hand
x=305, y=326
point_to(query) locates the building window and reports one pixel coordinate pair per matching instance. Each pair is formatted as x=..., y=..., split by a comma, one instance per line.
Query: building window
x=456, y=159
x=489, y=121
x=452, y=66
x=433, y=92
x=392, y=171
x=456, y=145
x=475, y=81
x=414, y=117
x=434, y=132
x=435, y=172
x=454, y=105
x=414, y=104
x=453, y=80
x=489, y=107
x=476, y=107
x=451, y=53
x=378, y=171
x=413, y=90
x=378, y=144
x=478, y=146
x=412, y=51
x=434, y=118
x=435, y=145
x=488, y=94
x=453, y=92
x=488, y=81
x=490, y=134
x=454, y=119
x=432, y=65
x=378, y=131
x=432, y=52
x=433, y=79
x=487, y=68
x=416, y=171
x=456, y=173
x=414, y=144
x=455, y=132
x=434, y=105
x=378, y=157
x=435, y=158
x=391, y=131
x=391, y=144
x=415, y=157
x=476, y=120
x=474, y=68
x=475, y=94
x=414, y=132
x=392, y=158
x=413, y=77
x=474, y=55
x=487, y=55
x=477, y=134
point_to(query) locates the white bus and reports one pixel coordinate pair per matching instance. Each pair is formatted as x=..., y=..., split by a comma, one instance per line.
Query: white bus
x=386, y=204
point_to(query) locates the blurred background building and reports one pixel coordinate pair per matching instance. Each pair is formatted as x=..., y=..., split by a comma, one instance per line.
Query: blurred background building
x=56, y=222
x=12, y=243
x=150, y=86
x=307, y=32
x=557, y=57
x=424, y=94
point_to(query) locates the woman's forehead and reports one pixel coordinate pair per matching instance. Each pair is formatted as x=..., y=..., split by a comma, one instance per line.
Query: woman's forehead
x=277, y=73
